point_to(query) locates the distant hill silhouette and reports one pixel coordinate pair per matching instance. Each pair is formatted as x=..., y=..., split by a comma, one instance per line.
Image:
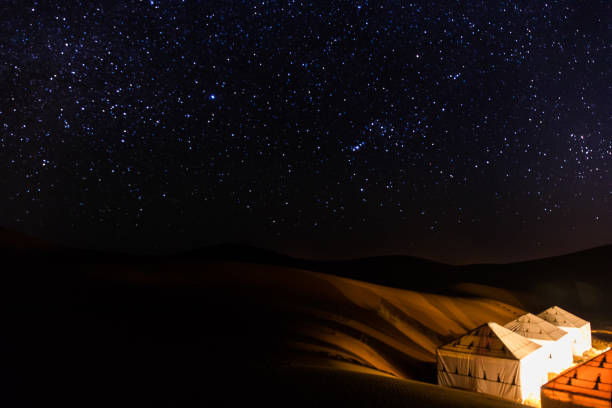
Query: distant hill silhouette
x=577, y=280
x=386, y=270
x=392, y=270
x=11, y=239
x=589, y=268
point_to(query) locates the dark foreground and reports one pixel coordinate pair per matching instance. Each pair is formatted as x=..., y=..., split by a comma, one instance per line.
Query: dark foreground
x=123, y=332
x=73, y=337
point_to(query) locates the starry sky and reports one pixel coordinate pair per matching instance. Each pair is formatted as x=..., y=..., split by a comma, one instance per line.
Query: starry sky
x=467, y=131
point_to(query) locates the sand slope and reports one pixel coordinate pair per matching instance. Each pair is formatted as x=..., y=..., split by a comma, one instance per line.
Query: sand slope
x=333, y=319
x=194, y=333
x=314, y=387
x=86, y=328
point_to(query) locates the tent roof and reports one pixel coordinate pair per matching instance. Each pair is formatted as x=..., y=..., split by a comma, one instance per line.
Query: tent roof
x=560, y=317
x=493, y=340
x=534, y=327
x=583, y=379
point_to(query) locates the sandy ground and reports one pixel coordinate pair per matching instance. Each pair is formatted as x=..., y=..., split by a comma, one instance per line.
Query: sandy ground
x=188, y=334
x=315, y=386
x=363, y=325
x=92, y=329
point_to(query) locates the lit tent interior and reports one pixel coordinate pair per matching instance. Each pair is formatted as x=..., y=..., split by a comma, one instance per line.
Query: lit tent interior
x=494, y=360
x=555, y=340
x=579, y=330
x=586, y=385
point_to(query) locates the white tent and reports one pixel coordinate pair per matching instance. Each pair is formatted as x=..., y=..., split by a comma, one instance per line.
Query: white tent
x=555, y=340
x=493, y=360
x=579, y=330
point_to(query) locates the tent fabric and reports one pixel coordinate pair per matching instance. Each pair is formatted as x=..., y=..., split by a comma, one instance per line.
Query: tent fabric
x=563, y=318
x=586, y=385
x=493, y=340
x=535, y=328
x=495, y=376
x=493, y=360
x=579, y=330
x=555, y=340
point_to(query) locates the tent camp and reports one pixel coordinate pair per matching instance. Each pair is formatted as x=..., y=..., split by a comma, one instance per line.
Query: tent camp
x=579, y=330
x=555, y=340
x=586, y=385
x=493, y=360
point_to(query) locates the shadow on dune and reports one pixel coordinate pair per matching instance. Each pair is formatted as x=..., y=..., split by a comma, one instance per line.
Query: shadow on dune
x=88, y=328
x=115, y=333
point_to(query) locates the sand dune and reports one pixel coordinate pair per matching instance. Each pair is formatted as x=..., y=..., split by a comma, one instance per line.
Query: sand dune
x=91, y=329
x=390, y=330
x=314, y=387
x=157, y=327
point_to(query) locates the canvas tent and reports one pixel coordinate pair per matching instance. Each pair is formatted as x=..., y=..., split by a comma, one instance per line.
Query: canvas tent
x=586, y=385
x=555, y=340
x=579, y=330
x=493, y=360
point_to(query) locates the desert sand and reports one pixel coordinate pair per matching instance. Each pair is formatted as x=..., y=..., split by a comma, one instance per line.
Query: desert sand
x=95, y=330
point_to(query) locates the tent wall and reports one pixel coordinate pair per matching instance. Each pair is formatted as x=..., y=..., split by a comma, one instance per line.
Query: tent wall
x=559, y=353
x=480, y=373
x=580, y=338
x=584, y=339
x=534, y=373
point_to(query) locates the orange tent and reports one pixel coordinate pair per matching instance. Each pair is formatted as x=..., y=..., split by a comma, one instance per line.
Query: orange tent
x=586, y=385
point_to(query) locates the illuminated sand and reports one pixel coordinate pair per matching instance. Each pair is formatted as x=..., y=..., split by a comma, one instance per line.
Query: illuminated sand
x=314, y=386
x=357, y=323
x=354, y=334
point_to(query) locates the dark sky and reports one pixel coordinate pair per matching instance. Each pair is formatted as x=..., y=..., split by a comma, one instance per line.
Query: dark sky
x=462, y=131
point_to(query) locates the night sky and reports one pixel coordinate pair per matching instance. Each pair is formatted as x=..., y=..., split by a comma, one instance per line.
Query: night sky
x=461, y=131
